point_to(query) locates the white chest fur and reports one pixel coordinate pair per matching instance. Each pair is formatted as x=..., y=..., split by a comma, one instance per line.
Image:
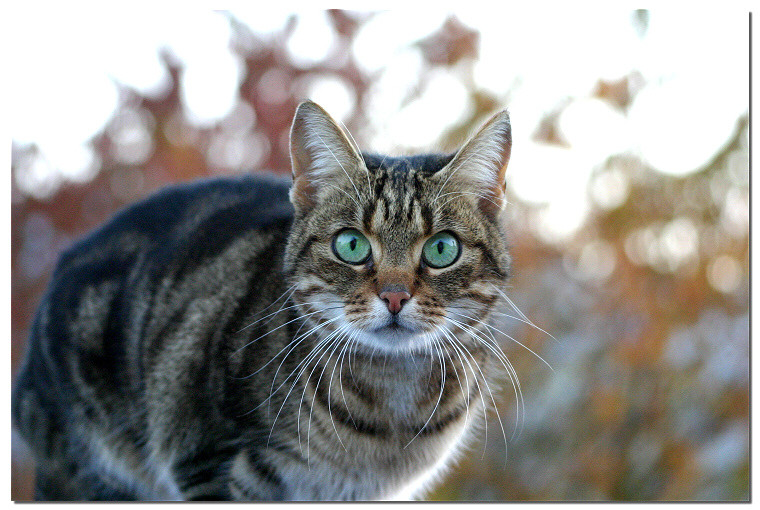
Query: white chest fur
x=409, y=473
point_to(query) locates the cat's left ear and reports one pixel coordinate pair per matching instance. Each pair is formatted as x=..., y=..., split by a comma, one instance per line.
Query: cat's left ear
x=320, y=154
x=480, y=165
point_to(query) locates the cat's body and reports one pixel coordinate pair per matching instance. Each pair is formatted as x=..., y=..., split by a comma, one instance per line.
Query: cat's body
x=214, y=342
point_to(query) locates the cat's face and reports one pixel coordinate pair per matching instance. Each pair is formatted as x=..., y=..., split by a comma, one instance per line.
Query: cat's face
x=395, y=254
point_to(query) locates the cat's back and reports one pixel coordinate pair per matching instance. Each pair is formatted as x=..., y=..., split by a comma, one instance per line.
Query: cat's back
x=178, y=222
x=209, y=210
x=125, y=282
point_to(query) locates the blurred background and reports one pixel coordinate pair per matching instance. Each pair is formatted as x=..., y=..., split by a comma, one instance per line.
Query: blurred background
x=628, y=208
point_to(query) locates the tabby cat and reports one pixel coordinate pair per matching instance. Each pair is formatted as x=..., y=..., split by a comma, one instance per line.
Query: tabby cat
x=249, y=339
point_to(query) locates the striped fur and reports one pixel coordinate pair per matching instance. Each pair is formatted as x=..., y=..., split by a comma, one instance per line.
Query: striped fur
x=208, y=344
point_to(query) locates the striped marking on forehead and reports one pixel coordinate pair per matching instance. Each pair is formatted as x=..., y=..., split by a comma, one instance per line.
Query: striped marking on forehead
x=394, y=194
x=397, y=191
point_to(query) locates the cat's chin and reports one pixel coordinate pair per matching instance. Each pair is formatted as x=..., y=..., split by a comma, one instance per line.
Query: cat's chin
x=393, y=339
x=394, y=332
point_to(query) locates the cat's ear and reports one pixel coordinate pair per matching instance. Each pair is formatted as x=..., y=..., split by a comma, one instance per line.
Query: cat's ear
x=480, y=166
x=320, y=153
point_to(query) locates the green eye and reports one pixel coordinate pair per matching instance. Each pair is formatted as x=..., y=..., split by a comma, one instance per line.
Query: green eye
x=351, y=246
x=441, y=250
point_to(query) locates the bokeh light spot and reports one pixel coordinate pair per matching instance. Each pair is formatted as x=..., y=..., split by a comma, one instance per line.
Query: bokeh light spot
x=724, y=274
x=312, y=39
x=333, y=94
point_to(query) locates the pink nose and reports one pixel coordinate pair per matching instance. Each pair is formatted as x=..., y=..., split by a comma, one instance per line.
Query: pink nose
x=395, y=300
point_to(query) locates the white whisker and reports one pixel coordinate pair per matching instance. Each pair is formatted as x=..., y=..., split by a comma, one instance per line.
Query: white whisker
x=452, y=341
x=333, y=337
x=300, y=368
x=509, y=337
x=458, y=344
x=440, y=394
x=508, y=367
x=348, y=346
x=283, y=325
x=523, y=317
x=335, y=345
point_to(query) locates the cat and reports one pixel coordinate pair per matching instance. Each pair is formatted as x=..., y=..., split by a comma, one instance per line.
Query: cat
x=250, y=338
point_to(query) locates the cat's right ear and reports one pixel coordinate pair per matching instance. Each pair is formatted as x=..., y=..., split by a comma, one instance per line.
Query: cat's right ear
x=480, y=165
x=320, y=153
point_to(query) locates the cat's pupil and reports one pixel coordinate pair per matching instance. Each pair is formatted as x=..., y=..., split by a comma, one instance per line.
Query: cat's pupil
x=440, y=247
x=352, y=244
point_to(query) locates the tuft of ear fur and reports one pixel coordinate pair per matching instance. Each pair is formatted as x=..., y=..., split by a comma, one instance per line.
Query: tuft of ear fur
x=479, y=168
x=320, y=152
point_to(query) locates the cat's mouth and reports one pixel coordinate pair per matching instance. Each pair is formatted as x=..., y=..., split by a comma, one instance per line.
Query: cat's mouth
x=394, y=328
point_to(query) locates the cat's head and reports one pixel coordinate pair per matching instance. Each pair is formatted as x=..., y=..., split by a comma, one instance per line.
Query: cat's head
x=395, y=253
